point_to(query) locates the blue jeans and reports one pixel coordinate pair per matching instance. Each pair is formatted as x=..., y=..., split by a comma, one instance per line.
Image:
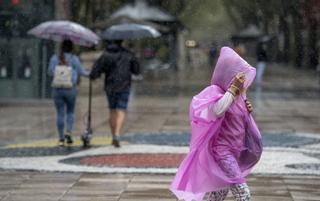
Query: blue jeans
x=260, y=71
x=64, y=98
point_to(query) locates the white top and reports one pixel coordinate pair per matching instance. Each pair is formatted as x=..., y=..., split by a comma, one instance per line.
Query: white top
x=219, y=108
x=223, y=104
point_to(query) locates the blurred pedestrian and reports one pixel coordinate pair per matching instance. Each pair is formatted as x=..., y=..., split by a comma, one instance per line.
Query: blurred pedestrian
x=212, y=53
x=118, y=64
x=262, y=58
x=318, y=66
x=240, y=49
x=65, y=69
x=225, y=142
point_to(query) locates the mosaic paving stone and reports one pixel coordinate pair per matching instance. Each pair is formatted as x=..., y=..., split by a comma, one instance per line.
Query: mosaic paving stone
x=42, y=151
x=136, y=160
x=35, y=149
x=305, y=166
x=182, y=139
x=130, y=160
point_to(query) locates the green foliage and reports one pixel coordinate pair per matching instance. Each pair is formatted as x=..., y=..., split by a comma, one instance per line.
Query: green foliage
x=279, y=18
x=206, y=20
x=174, y=7
x=89, y=11
x=158, y=44
x=209, y=20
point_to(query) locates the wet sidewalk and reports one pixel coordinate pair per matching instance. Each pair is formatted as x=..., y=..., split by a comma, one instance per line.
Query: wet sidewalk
x=287, y=102
x=156, y=136
x=35, y=186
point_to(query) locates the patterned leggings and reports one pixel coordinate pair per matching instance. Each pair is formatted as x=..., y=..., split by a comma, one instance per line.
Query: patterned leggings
x=240, y=192
x=231, y=168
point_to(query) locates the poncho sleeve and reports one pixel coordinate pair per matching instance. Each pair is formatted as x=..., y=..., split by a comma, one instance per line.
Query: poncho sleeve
x=202, y=105
x=221, y=106
x=217, y=109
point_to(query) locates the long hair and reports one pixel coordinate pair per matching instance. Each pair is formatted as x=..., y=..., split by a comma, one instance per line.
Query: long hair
x=66, y=47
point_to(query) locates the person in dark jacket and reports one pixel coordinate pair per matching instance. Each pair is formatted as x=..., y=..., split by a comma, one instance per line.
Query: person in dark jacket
x=262, y=58
x=118, y=64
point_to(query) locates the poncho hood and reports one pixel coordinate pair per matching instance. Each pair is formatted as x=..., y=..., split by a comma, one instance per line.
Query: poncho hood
x=229, y=64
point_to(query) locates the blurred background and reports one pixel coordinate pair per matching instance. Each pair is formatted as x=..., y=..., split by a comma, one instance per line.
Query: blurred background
x=175, y=66
x=188, y=28
x=280, y=38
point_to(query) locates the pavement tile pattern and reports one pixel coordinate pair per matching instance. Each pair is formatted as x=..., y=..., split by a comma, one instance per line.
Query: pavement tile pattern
x=39, y=186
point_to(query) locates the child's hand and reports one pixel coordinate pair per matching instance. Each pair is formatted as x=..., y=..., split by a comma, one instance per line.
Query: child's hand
x=239, y=80
x=249, y=106
x=237, y=84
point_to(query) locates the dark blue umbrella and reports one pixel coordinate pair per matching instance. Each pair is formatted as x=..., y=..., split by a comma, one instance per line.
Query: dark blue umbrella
x=130, y=32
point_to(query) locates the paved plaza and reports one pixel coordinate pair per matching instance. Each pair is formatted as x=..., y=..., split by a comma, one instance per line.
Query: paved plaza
x=38, y=186
x=155, y=140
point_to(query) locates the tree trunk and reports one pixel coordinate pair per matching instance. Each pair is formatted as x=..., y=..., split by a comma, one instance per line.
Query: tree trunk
x=284, y=29
x=312, y=46
x=298, y=39
x=62, y=9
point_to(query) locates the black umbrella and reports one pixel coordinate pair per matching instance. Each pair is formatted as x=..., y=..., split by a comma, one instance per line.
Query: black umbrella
x=130, y=32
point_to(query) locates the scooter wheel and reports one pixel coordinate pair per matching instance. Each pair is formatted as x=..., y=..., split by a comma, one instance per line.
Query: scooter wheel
x=85, y=141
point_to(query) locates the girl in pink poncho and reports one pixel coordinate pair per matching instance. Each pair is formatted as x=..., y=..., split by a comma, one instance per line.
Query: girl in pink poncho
x=225, y=142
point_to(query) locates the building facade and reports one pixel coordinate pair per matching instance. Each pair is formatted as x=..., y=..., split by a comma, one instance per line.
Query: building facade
x=23, y=58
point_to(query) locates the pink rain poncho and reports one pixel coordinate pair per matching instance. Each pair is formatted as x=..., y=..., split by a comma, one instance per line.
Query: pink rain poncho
x=224, y=149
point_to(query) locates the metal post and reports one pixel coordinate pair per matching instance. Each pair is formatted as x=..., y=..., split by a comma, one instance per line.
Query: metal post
x=44, y=71
x=89, y=105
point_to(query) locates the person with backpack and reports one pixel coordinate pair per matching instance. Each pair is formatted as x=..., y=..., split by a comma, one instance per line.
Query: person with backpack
x=118, y=64
x=65, y=69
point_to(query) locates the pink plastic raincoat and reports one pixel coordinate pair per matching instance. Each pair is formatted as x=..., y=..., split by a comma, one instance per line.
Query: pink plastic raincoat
x=224, y=149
